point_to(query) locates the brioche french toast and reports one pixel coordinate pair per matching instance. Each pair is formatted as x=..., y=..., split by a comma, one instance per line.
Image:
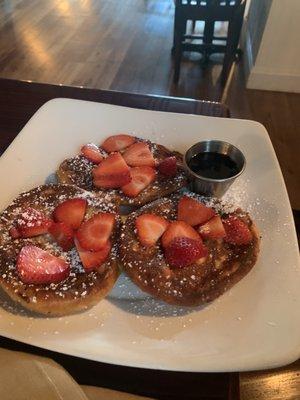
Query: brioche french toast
x=187, y=250
x=41, y=267
x=134, y=170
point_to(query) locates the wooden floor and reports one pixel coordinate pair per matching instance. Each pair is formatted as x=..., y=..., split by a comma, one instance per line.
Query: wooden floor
x=125, y=45
x=280, y=114
x=109, y=44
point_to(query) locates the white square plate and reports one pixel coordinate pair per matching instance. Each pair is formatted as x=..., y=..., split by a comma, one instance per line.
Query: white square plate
x=253, y=326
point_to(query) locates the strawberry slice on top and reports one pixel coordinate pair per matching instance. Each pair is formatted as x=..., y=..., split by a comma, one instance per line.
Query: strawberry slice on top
x=14, y=233
x=71, y=212
x=183, y=251
x=141, y=177
x=179, y=229
x=117, y=143
x=36, y=266
x=63, y=235
x=91, y=260
x=138, y=155
x=150, y=228
x=193, y=212
x=92, y=153
x=112, y=173
x=94, y=233
x=213, y=229
x=168, y=167
x=30, y=223
x=237, y=231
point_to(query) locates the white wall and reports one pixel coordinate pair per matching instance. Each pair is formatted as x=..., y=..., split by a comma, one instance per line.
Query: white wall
x=277, y=65
x=247, y=7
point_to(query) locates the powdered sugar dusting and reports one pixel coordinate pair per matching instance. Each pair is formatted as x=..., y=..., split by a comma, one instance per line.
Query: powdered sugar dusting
x=78, y=170
x=196, y=283
x=45, y=198
x=221, y=206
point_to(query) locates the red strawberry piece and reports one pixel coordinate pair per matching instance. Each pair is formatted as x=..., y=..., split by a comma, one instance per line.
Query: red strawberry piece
x=213, y=229
x=179, y=229
x=168, y=167
x=63, y=235
x=141, y=177
x=117, y=143
x=14, y=233
x=113, y=172
x=92, y=153
x=193, y=212
x=138, y=155
x=183, y=251
x=95, y=232
x=91, y=260
x=70, y=212
x=31, y=223
x=150, y=227
x=37, y=266
x=237, y=232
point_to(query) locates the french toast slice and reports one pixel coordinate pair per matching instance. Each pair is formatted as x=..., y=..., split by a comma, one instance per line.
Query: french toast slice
x=203, y=280
x=81, y=289
x=77, y=170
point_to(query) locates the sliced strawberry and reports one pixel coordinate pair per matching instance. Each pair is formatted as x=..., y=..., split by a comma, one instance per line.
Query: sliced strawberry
x=141, y=177
x=237, y=232
x=14, y=233
x=71, y=212
x=63, y=235
x=150, y=227
x=179, y=229
x=31, y=223
x=95, y=232
x=113, y=172
x=92, y=153
x=193, y=212
x=91, y=260
x=117, y=143
x=138, y=155
x=111, y=182
x=213, y=229
x=168, y=167
x=37, y=266
x=183, y=251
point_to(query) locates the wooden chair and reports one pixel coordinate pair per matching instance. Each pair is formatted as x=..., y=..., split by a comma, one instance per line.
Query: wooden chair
x=208, y=11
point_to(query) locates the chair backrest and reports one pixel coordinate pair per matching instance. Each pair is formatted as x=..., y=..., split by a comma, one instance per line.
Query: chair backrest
x=208, y=3
x=218, y=10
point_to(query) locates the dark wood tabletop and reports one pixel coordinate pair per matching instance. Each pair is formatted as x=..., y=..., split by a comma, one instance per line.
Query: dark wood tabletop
x=18, y=102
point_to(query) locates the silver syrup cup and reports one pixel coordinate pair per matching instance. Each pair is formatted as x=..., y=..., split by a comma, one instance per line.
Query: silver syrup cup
x=209, y=186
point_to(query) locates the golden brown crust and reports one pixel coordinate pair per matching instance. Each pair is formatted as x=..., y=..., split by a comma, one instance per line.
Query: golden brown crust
x=57, y=307
x=80, y=290
x=78, y=171
x=65, y=176
x=196, y=284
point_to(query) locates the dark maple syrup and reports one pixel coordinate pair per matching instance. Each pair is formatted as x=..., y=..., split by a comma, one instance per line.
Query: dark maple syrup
x=213, y=165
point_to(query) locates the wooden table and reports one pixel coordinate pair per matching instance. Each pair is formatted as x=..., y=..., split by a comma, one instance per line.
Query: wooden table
x=18, y=102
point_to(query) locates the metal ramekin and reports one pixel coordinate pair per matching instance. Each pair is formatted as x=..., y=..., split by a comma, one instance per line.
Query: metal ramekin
x=210, y=186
